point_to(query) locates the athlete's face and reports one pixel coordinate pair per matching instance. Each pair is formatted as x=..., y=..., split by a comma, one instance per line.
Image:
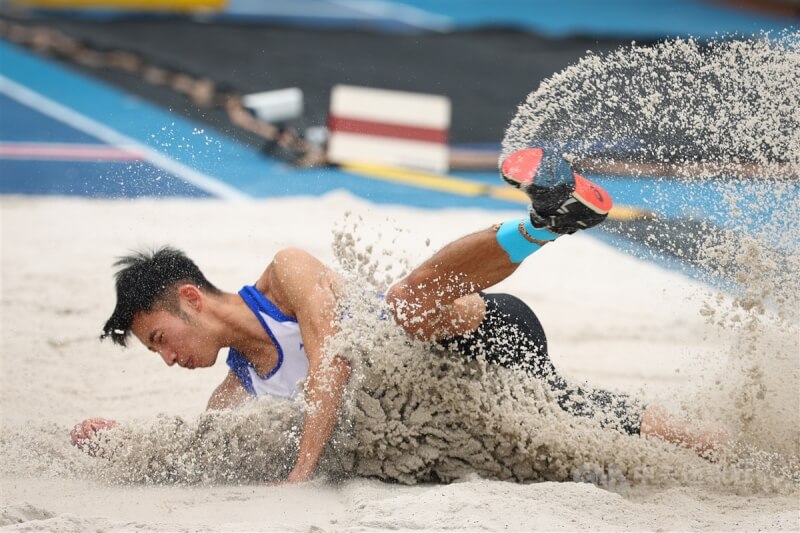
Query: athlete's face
x=179, y=338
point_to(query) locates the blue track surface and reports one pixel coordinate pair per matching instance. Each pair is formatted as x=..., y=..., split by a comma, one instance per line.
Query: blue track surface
x=50, y=109
x=626, y=19
x=633, y=19
x=24, y=126
x=85, y=111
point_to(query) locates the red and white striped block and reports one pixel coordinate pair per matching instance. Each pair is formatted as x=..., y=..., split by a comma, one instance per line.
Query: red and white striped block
x=392, y=128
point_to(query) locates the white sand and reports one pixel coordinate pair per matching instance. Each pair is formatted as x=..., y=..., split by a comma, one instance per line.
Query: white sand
x=611, y=320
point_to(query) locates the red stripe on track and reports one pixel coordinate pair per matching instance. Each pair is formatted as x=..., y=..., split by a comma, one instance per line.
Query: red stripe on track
x=68, y=152
x=385, y=129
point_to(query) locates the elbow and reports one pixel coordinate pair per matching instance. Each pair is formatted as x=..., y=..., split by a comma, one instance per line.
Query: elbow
x=410, y=306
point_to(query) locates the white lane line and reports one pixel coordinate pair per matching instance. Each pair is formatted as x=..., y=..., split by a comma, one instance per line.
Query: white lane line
x=407, y=14
x=89, y=126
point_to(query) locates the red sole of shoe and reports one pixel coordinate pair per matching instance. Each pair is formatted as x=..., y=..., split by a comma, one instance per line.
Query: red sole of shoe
x=521, y=166
x=591, y=195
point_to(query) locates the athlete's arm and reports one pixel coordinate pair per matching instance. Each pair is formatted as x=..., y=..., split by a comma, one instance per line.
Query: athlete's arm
x=307, y=289
x=228, y=394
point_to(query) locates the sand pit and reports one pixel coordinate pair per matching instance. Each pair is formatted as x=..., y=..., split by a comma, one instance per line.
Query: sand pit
x=611, y=320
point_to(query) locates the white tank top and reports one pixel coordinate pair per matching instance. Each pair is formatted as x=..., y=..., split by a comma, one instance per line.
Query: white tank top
x=286, y=379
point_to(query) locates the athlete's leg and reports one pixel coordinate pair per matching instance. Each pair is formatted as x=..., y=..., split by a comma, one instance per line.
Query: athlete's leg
x=437, y=299
x=512, y=336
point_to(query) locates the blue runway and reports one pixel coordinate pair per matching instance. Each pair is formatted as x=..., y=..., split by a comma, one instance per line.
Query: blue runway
x=65, y=134
x=44, y=103
x=627, y=19
x=43, y=155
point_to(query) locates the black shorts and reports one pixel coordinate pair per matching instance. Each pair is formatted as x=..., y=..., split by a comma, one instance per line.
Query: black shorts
x=511, y=336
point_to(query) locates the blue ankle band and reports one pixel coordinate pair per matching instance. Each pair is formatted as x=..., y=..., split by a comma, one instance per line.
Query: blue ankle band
x=514, y=242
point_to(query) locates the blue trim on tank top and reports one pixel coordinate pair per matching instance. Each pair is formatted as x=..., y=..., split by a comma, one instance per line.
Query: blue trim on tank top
x=239, y=365
x=257, y=302
x=264, y=304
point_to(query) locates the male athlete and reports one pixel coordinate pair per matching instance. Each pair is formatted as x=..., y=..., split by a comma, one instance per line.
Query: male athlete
x=277, y=329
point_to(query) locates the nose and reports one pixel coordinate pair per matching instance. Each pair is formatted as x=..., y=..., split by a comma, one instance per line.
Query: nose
x=168, y=356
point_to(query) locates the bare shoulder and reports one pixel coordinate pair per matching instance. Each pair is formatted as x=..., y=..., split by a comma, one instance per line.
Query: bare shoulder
x=288, y=258
x=292, y=274
x=281, y=263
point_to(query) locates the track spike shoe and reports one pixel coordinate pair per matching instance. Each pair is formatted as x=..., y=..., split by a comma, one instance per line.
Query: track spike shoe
x=562, y=200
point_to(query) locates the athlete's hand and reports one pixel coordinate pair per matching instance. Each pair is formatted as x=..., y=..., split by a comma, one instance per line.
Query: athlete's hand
x=82, y=434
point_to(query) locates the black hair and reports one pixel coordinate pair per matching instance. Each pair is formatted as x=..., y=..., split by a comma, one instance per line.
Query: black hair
x=144, y=280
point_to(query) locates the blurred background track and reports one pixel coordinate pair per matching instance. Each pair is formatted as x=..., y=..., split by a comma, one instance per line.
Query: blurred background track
x=486, y=56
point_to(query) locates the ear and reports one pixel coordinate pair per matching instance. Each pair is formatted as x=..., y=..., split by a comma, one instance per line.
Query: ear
x=193, y=296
